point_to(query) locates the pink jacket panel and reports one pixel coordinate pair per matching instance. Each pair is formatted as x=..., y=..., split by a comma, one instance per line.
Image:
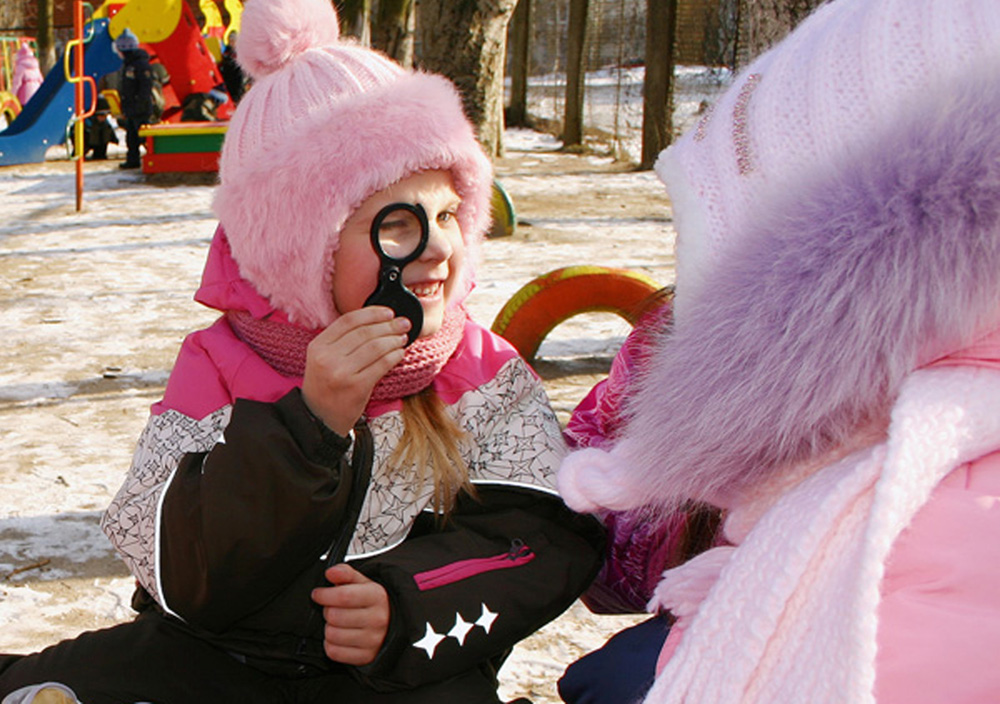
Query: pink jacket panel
x=639, y=550
x=217, y=368
x=939, y=620
x=214, y=368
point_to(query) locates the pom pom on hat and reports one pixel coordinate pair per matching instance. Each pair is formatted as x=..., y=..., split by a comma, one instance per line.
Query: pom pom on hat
x=127, y=40
x=273, y=32
x=591, y=480
x=326, y=124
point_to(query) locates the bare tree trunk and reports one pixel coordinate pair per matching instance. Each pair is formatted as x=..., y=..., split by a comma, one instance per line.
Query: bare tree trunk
x=465, y=40
x=518, y=38
x=12, y=16
x=393, y=28
x=658, y=86
x=576, y=38
x=766, y=22
x=45, y=36
x=355, y=19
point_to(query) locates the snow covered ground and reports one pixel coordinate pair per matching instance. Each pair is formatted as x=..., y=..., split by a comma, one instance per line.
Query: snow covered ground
x=613, y=102
x=94, y=305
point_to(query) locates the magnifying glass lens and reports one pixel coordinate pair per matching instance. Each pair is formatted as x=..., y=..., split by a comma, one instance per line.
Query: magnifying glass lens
x=399, y=233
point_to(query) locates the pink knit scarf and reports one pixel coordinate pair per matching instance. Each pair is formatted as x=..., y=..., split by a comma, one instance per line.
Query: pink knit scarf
x=283, y=347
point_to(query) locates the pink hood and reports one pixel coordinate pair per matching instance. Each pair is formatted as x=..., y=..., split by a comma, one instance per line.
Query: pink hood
x=224, y=288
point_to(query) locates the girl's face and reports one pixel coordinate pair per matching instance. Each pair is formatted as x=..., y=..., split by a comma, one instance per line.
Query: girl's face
x=432, y=277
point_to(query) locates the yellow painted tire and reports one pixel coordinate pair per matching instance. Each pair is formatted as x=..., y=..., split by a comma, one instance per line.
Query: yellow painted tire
x=504, y=218
x=543, y=303
x=10, y=107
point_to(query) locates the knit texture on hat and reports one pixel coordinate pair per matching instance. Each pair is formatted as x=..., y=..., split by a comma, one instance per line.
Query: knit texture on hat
x=842, y=76
x=326, y=125
x=879, y=255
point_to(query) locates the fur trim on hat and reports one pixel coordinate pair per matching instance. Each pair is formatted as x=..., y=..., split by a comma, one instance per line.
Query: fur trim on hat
x=283, y=210
x=874, y=265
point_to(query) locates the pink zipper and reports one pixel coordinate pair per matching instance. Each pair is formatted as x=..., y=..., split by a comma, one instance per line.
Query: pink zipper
x=519, y=554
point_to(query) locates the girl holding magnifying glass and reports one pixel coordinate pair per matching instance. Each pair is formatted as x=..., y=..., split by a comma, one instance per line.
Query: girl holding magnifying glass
x=347, y=492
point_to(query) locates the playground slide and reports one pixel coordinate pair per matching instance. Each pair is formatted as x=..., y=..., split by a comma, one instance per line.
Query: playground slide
x=42, y=122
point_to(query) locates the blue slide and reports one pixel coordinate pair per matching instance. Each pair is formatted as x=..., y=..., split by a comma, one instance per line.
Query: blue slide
x=42, y=122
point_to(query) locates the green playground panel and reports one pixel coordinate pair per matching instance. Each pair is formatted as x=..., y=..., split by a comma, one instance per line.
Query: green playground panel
x=187, y=143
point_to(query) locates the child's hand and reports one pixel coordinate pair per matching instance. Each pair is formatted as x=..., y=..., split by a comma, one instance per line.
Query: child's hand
x=356, y=612
x=345, y=361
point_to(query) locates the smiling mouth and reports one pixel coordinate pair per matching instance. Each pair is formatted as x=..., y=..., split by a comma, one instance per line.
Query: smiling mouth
x=426, y=290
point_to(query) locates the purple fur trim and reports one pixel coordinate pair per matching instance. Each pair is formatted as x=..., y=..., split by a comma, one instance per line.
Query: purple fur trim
x=872, y=267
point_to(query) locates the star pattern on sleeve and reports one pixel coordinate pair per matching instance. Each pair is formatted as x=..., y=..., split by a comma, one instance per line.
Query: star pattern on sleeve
x=486, y=619
x=514, y=438
x=130, y=521
x=429, y=642
x=518, y=435
x=460, y=631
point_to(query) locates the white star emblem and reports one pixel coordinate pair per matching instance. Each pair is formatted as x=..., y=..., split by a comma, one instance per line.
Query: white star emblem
x=486, y=619
x=460, y=629
x=429, y=642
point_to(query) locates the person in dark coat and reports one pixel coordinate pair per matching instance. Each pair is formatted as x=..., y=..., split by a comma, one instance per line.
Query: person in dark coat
x=99, y=131
x=136, y=93
x=232, y=74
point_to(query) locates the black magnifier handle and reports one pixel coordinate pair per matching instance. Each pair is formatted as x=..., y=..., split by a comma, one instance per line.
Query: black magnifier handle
x=399, y=235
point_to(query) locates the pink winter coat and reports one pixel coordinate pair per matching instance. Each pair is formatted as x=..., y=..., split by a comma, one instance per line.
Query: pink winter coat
x=639, y=550
x=939, y=615
x=937, y=612
x=27, y=76
x=939, y=618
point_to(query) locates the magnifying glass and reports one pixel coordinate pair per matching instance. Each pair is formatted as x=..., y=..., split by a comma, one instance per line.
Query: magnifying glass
x=399, y=235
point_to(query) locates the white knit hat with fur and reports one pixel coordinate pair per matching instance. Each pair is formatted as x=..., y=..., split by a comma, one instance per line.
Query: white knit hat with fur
x=842, y=75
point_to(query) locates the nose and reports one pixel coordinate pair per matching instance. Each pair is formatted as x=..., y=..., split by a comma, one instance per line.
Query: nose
x=439, y=247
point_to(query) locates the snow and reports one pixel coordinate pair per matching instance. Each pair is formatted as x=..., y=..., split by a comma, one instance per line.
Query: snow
x=94, y=305
x=613, y=101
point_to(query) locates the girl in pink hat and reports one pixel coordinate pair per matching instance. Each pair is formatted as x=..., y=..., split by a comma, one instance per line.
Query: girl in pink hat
x=318, y=510
x=27, y=77
x=832, y=377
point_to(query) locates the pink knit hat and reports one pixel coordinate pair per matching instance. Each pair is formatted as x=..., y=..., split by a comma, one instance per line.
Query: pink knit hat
x=327, y=124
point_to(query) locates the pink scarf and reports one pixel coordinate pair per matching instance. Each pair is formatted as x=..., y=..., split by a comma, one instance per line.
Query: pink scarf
x=793, y=609
x=283, y=347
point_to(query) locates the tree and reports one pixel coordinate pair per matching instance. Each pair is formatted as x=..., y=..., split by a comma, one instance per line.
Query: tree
x=576, y=39
x=392, y=29
x=12, y=16
x=763, y=23
x=45, y=35
x=465, y=41
x=355, y=19
x=658, y=85
x=518, y=40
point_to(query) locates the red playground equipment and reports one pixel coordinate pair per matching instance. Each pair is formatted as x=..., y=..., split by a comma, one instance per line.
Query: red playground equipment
x=169, y=31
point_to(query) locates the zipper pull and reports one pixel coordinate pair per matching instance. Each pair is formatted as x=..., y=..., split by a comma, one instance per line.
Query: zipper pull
x=517, y=549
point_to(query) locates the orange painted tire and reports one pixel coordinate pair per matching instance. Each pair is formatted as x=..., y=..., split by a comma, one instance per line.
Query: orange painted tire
x=540, y=305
